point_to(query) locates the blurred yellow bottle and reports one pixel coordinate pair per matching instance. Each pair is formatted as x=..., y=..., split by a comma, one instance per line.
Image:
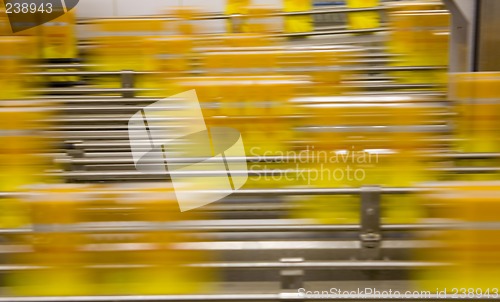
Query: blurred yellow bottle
x=298, y=24
x=55, y=248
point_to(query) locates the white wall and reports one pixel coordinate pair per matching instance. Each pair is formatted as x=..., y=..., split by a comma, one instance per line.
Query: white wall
x=110, y=8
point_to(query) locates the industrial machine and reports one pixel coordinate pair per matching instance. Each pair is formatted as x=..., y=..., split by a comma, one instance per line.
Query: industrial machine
x=369, y=159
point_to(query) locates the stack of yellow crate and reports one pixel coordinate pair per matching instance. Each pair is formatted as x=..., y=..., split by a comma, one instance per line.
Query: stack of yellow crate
x=148, y=261
x=55, y=262
x=59, y=44
x=145, y=253
x=420, y=38
x=255, y=105
x=471, y=249
x=363, y=19
x=324, y=64
x=31, y=37
x=298, y=24
x=262, y=19
x=358, y=141
x=126, y=45
x=13, y=56
x=246, y=40
x=22, y=162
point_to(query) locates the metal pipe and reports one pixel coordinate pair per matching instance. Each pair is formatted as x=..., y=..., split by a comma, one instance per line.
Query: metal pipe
x=338, y=10
x=94, y=90
x=242, y=228
x=128, y=160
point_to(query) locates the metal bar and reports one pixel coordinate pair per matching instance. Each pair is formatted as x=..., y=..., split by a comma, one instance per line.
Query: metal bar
x=290, y=191
x=127, y=79
x=264, y=228
x=370, y=223
x=338, y=10
x=239, y=297
x=94, y=90
x=271, y=159
x=467, y=169
x=89, y=90
x=63, y=66
x=340, y=265
x=125, y=145
x=395, y=68
x=333, y=32
x=291, y=278
x=127, y=156
x=229, y=70
x=484, y=155
x=162, y=175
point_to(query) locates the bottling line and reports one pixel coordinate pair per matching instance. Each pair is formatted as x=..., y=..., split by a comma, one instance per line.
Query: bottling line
x=334, y=150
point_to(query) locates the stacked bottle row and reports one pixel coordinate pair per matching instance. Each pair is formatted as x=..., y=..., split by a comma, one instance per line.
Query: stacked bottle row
x=419, y=37
x=244, y=81
x=36, y=39
x=477, y=101
x=357, y=141
x=105, y=240
x=469, y=251
x=49, y=40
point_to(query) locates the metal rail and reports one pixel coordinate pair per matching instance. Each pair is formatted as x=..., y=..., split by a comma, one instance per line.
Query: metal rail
x=95, y=90
x=235, y=228
x=230, y=70
x=128, y=159
x=115, y=175
x=339, y=10
x=309, y=265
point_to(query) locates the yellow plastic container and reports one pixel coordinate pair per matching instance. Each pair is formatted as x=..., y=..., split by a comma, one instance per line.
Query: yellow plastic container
x=363, y=19
x=298, y=24
x=476, y=96
x=260, y=19
x=55, y=249
x=472, y=249
x=59, y=37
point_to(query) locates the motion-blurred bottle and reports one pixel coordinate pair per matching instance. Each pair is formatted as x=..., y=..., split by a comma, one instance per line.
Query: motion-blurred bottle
x=56, y=260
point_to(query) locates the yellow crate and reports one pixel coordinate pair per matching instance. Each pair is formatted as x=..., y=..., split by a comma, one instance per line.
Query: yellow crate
x=473, y=250
x=477, y=122
x=172, y=54
x=58, y=37
x=13, y=53
x=184, y=23
x=246, y=40
x=363, y=20
x=259, y=19
x=59, y=250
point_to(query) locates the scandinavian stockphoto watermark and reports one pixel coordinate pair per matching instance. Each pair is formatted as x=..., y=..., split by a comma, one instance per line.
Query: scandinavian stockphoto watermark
x=310, y=165
x=170, y=137
x=26, y=14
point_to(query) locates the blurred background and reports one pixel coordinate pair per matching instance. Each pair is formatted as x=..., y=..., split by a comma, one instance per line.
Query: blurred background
x=370, y=131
